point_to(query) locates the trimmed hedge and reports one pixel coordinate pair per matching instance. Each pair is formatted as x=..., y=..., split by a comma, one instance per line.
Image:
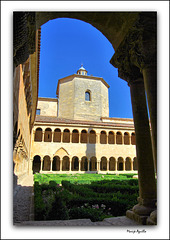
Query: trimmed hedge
x=71, y=201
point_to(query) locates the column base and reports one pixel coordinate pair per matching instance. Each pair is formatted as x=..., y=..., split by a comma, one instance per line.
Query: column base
x=152, y=219
x=144, y=215
x=137, y=218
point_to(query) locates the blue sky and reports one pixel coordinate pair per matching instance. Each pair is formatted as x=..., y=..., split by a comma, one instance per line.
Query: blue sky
x=65, y=45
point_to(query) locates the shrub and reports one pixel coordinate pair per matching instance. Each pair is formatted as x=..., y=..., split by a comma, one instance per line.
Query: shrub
x=58, y=211
x=82, y=212
x=39, y=206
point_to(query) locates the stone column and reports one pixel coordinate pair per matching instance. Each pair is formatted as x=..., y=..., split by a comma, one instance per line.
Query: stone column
x=150, y=82
x=98, y=165
x=134, y=56
x=51, y=164
x=123, y=165
x=79, y=141
x=41, y=166
x=43, y=133
x=61, y=140
x=107, y=165
x=79, y=165
x=88, y=164
x=147, y=188
x=116, y=164
x=52, y=136
x=122, y=138
x=70, y=165
x=61, y=165
x=131, y=165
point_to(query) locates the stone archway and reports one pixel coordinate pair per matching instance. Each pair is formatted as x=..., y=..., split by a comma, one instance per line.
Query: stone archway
x=112, y=162
x=36, y=164
x=56, y=163
x=46, y=163
x=128, y=164
x=103, y=164
x=75, y=164
x=84, y=164
x=120, y=164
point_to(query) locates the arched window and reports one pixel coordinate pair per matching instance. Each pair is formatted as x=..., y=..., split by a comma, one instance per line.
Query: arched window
x=84, y=164
x=103, y=137
x=133, y=139
x=75, y=164
x=46, y=163
x=103, y=164
x=112, y=162
x=135, y=164
x=93, y=164
x=118, y=138
x=120, y=164
x=83, y=138
x=87, y=96
x=75, y=136
x=126, y=138
x=66, y=136
x=65, y=163
x=92, y=136
x=38, y=135
x=111, y=138
x=57, y=135
x=47, y=135
x=56, y=163
x=128, y=164
x=36, y=164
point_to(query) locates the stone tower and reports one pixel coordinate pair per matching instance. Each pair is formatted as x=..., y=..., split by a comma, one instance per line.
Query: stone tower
x=82, y=97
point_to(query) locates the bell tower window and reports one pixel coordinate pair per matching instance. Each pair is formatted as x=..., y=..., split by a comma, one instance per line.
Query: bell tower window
x=87, y=96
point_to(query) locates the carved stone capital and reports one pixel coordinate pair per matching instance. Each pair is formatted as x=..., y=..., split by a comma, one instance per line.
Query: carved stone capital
x=138, y=50
x=143, y=41
x=24, y=36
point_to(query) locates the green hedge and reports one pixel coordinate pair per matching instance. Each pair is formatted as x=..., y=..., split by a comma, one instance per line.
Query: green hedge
x=71, y=201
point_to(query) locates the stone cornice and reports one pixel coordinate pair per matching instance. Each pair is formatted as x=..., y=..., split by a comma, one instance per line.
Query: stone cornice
x=47, y=99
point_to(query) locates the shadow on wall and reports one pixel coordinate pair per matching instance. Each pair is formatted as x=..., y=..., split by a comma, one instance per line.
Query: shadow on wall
x=91, y=149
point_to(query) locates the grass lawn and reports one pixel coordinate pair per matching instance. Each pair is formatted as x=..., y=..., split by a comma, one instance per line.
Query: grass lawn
x=77, y=196
x=79, y=178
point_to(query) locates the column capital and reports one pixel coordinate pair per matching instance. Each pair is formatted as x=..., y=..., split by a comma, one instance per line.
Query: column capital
x=138, y=50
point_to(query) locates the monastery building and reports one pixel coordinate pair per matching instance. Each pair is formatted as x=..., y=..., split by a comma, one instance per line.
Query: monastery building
x=73, y=133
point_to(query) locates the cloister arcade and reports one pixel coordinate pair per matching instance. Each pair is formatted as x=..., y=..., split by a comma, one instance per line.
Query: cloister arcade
x=83, y=164
x=66, y=136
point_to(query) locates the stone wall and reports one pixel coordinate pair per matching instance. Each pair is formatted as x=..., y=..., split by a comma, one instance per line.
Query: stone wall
x=72, y=103
x=66, y=99
x=47, y=106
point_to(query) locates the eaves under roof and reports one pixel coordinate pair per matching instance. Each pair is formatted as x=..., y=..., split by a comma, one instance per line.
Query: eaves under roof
x=55, y=120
